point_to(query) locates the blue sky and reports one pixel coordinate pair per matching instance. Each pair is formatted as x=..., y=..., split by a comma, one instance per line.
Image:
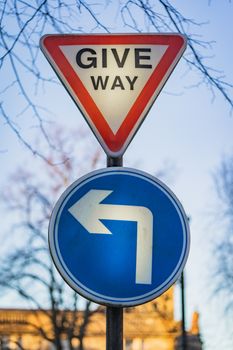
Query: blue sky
x=188, y=131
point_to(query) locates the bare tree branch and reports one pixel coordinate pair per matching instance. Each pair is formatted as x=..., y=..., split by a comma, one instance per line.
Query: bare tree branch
x=23, y=22
x=27, y=270
x=223, y=250
x=172, y=20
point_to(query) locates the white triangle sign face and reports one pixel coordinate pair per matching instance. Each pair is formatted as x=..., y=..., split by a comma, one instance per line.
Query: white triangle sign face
x=115, y=89
x=114, y=79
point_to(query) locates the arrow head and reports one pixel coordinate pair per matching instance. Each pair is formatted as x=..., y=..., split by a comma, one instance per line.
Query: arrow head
x=87, y=211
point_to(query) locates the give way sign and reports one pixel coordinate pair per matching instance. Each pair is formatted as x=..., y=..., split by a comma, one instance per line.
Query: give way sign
x=114, y=78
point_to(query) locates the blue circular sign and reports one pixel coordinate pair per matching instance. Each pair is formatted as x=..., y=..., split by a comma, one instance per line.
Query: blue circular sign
x=119, y=237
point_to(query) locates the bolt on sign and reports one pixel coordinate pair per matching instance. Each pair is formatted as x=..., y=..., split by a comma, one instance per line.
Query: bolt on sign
x=114, y=78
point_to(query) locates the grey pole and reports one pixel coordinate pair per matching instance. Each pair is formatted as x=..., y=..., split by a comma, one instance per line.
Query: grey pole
x=114, y=315
x=114, y=328
x=114, y=161
x=184, y=344
x=183, y=335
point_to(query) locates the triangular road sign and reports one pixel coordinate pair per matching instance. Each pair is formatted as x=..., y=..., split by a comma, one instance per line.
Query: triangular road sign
x=114, y=78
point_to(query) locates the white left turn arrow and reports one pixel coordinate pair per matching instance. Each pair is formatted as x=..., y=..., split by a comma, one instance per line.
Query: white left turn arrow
x=88, y=210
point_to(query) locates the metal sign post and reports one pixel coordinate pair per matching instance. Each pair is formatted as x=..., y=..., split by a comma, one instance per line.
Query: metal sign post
x=114, y=328
x=114, y=315
x=109, y=233
x=111, y=241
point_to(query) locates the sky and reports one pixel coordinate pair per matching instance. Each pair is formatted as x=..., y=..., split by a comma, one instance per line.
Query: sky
x=188, y=131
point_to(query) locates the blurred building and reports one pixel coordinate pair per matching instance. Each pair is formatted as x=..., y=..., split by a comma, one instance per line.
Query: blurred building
x=146, y=327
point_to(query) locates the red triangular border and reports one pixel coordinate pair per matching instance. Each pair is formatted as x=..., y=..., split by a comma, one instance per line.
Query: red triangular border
x=114, y=145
